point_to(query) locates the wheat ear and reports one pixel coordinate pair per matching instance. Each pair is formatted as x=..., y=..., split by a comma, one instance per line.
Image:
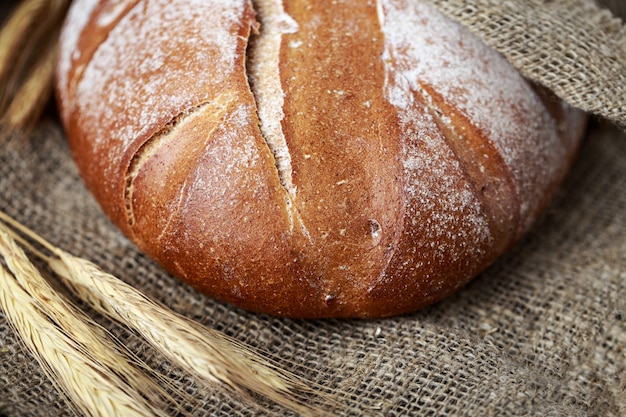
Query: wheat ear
x=28, y=47
x=90, y=385
x=200, y=351
x=33, y=95
x=203, y=352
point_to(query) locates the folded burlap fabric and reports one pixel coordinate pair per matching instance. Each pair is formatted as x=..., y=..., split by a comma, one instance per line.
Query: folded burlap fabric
x=542, y=332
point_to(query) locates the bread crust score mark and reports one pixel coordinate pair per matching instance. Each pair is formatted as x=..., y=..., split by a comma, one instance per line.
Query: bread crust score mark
x=263, y=74
x=217, y=108
x=484, y=167
x=509, y=146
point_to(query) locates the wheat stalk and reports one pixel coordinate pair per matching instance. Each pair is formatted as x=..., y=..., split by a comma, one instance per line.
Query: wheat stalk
x=93, y=389
x=76, y=369
x=81, y=328
x=203, y=352
x=33, y=94
x=28, y=46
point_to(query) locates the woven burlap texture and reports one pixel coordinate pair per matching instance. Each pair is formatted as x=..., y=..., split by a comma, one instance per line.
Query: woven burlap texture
x=542, y=332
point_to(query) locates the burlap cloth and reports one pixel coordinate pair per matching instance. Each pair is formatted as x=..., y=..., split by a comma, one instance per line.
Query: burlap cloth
x=542, y=332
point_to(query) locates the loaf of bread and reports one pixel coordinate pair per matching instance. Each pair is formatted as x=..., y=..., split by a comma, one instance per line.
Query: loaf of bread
x=308, y=158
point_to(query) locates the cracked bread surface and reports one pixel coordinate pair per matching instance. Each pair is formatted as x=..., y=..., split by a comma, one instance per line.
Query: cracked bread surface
x=305, y=158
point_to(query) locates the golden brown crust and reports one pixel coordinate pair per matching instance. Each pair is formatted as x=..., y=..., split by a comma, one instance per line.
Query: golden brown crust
x=313, y=166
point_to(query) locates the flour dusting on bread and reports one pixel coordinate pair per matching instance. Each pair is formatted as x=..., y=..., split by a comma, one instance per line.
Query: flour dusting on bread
x=479, y=83
x=213, y=131
x=122, y=59
x=77, y=19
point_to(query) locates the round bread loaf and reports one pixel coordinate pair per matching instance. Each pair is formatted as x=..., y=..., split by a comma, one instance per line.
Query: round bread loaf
x=308, y=158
